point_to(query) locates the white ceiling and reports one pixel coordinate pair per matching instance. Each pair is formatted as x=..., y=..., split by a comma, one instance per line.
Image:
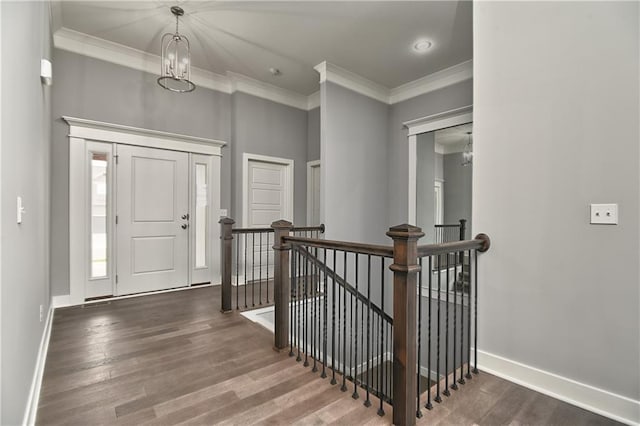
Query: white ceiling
x=371, y=39
x=453, y=139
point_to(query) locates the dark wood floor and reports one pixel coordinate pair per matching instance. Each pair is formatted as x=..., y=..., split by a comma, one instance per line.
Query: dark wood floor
x=174, y=358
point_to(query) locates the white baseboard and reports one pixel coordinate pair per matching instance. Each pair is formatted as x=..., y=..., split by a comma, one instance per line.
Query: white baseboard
x=61, y=301
x=600, y=401
x=31, y=409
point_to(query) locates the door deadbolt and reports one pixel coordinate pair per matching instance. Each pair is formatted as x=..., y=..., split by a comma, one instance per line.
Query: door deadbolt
x=185, y=216
x=185, y=226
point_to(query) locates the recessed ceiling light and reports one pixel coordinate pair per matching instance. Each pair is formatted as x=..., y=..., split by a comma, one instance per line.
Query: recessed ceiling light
x=275, y=71
x=422, y=45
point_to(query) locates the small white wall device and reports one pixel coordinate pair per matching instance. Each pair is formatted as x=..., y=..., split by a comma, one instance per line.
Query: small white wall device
x=46, y=73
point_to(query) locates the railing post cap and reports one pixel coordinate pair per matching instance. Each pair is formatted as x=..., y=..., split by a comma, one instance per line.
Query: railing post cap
x=282, y=224
x=486, y=242
x=226, y=221
x=405, y=231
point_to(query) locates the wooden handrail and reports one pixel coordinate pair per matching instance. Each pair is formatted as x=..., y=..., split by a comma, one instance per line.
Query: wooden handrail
x=319, y=228
x=373, y=249
x=480, y=243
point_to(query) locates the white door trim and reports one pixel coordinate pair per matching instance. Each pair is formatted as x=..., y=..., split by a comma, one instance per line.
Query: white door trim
x=116, y=133
x=86, y=131
x=289, y=183
x=438, y=121
x=310, y=166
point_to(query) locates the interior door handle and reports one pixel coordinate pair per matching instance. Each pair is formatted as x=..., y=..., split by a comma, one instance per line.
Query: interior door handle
x=184, y=226
x=185, y=216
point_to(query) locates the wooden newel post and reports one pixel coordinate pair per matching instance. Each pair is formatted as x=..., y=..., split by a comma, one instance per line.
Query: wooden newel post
x=226, y=253
x=405, y=277
x=281, y=284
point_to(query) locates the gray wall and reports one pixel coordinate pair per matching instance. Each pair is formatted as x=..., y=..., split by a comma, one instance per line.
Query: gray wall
x=439, y=166
x=260, y=126
x=457, y=190
x=425, y=177
x=26, y=130
x=450, y=97
x=354, y=180
x=313, y=134
x=89, y=88
x=559, y=294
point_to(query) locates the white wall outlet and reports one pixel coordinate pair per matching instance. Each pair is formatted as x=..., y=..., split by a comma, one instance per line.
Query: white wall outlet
x=604, y=214
x=41, y=313
x=223, y=212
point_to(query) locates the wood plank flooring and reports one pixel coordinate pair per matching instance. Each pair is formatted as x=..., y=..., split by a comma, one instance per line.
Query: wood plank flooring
x=173, y=358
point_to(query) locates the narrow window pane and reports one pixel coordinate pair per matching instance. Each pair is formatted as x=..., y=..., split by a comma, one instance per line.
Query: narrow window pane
x=99, y=246
x=201, y=216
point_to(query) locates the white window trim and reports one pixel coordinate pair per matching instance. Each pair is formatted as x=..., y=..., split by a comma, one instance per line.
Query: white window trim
x=289, y=184
x=310, y=166
x=442, y=120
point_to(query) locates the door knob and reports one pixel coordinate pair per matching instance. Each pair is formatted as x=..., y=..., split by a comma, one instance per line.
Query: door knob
x=184, y=226
x=185, y=216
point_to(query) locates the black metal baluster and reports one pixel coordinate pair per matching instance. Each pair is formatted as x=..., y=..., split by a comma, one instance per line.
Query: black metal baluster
x=469, y=293
x=446, y=334
x=260, y=270
x=355, y=341
x=246, y=284
x=438, y=398
x=324, y=317
x=475, y=313
x=306, y=312
x=333, y=323
x=418, y=410
x=237, y=272
x=461, y=379
x=298, y=300
x=381, y=354
x=293, y=320
x=268, y=249
x=314, y=321
x=454, y=385
x=428, y=405
x=343, y=388
x=367, y=402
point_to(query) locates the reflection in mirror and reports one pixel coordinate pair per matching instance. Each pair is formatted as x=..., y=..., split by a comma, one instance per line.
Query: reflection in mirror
x=444, y=173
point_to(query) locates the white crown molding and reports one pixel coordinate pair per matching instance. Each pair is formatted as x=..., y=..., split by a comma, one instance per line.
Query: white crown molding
x=313, y=100
x=94, y=47
x=446, y=77
x=352, y=81
x=242, y=83
x=600, y=401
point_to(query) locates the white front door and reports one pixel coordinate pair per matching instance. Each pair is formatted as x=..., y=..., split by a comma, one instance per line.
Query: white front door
x=152, y=219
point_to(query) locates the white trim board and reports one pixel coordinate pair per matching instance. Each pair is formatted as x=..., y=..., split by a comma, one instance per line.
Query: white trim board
x=31, y=409
x=600, y=401
x=117, y=133
x=108, y=51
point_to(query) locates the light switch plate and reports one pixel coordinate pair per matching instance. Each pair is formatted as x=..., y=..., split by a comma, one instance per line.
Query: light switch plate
x=19, y=210
x=223, y=212
x=604, y=214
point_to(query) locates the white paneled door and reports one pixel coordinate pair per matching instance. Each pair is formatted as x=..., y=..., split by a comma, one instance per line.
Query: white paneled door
x=152, y=219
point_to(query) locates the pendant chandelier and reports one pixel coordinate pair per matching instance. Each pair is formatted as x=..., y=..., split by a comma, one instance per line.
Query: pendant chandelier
x=467, y=154
x=175, y=66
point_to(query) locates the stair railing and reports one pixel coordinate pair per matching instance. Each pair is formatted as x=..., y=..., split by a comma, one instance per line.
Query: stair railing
x=247, y=264
x=446, y=233
x=330, y=313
